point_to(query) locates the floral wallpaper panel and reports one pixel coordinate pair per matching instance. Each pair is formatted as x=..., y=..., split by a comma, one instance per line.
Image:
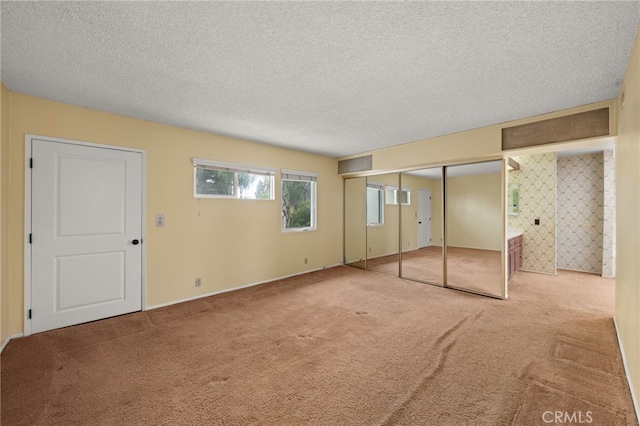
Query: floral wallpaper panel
x=536, y=181
x=609, y=226
x=580, y=212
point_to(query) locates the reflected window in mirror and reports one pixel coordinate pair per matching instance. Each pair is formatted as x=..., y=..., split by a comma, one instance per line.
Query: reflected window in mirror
x=375, y=211
x=513, y=199
x=404, y=197
x=394, y=195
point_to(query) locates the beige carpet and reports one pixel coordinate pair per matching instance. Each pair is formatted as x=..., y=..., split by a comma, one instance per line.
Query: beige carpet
x=336, y=347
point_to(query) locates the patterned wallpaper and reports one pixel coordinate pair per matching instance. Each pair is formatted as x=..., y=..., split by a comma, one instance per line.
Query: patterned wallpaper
x=580, y=212
x=609, y=226
x=537, y=190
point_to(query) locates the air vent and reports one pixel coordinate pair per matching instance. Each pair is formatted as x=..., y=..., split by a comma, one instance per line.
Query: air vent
x=562, y=129
x=358, y=164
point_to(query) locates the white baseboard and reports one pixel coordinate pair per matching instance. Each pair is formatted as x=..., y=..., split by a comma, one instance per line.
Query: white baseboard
x=6, y=342
x=562, y=268
x=226, y=290
x=634, y=397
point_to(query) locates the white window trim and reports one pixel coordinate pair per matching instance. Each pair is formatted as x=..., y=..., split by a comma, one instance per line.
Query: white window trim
x=394, y=200
x=396, y=196
x=408, y=191
x=235, y=168
x=381, y=191
x=300, y=176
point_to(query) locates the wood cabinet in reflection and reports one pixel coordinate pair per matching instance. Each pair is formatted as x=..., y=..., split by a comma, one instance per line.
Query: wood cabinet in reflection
x=515, y=254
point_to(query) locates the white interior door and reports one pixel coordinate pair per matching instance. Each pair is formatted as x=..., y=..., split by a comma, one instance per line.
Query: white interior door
x=424, y=218
x=86, y=224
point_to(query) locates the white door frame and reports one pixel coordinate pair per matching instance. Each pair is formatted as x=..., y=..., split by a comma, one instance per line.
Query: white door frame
x=27, y=216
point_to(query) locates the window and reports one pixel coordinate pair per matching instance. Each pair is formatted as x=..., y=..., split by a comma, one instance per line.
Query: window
x=375, y=216
x=404, y=197
x=397, y=196
x=390, y=193
x=298, y=200
x=218, y=179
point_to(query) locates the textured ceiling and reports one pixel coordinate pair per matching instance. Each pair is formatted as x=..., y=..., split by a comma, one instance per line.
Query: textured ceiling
x=330, y=77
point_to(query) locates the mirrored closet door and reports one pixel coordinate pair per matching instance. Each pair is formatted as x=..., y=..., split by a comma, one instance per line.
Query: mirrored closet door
x=441, y=226
x=421, y=206
x=383, y=223
x=355, y=222
x=474, y=226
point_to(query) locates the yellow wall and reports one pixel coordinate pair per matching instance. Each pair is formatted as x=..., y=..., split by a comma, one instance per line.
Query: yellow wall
x=628, y=218
x=355, y=220
x=4, y=224
x=474, y=211
x=229, y=243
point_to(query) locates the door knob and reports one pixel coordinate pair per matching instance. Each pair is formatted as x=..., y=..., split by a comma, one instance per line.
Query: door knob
x=135, y=242
x=419, y=222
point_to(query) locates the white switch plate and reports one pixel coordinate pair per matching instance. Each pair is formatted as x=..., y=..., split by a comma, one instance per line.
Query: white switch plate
x=159, y=220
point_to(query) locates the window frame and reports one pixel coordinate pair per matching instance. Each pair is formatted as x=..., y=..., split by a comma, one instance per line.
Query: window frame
x=396, y=192
x=235, y=168
x=408, y=192
x=300, y=176
x=380, y=189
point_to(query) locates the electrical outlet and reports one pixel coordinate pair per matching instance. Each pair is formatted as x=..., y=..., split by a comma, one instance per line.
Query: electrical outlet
x=160, y=220
x=198, y=282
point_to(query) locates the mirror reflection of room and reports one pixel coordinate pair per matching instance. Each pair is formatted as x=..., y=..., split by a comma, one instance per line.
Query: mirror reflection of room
x=422, y=226
x=474, y=227
x=383, y=223
x=355, y=225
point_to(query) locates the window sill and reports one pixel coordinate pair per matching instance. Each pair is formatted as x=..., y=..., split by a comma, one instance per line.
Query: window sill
x=292, y=230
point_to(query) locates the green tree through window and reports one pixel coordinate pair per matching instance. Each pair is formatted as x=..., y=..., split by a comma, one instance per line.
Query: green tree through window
x=218, y=179
x=215, y=182
x=296, y=204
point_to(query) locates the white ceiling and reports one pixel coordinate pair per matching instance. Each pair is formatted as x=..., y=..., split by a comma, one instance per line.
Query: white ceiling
x=335, y=78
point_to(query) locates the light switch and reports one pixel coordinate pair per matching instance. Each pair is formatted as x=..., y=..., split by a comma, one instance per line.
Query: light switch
x=159, y=220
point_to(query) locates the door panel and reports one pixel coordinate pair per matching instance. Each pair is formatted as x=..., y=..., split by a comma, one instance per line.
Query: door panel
x=424, y=218
x=100, y=185
x=86, y=212
x=102, y=275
